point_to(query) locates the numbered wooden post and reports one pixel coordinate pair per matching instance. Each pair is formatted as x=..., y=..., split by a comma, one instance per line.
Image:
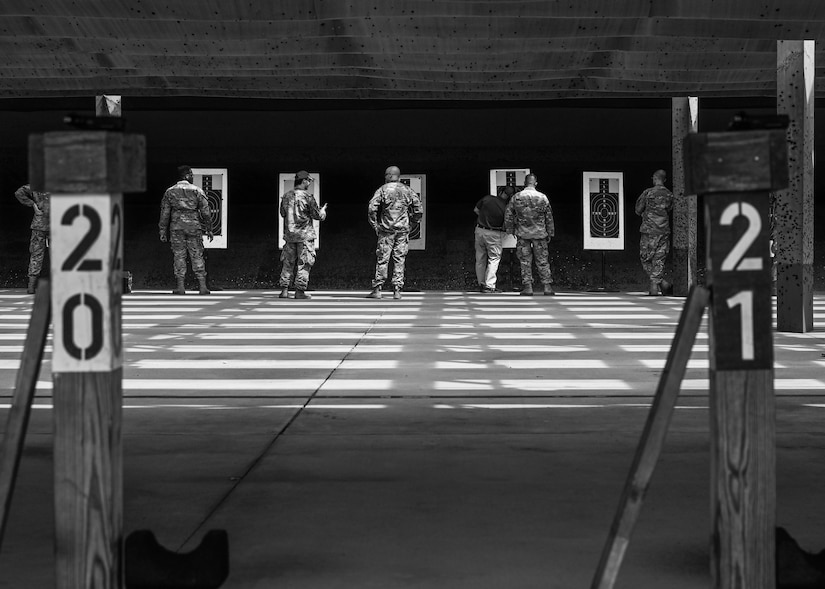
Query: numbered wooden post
x=734, y=172
x=87, y=173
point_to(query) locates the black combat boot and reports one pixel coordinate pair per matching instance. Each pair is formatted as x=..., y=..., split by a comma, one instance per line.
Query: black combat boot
x=375, y=294
x=284, y=293
x=396, y=293
x=527, y=290
x=204, y=290
x=32, y=285
x=301, y=294
x=181, y=289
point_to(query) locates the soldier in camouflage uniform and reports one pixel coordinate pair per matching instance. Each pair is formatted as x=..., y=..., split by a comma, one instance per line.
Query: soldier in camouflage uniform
x=392, y=210
x=529, y=217
x=298, y=208
x=654, y=206
x=39, y=201
x=184, y=212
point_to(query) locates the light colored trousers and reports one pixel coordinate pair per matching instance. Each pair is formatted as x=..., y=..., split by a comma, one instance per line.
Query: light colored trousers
x=488, y=255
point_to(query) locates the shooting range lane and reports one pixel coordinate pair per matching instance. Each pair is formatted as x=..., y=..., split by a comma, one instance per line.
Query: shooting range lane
x=453, y=439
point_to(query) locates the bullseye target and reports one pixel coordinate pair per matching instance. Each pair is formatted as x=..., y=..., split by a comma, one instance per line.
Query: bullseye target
x=214, y=183
x=603, y=210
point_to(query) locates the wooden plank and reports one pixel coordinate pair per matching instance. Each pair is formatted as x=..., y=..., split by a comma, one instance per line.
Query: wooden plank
x=652, y=440
x=88, y=467
x=24, y=389
x=743, y=489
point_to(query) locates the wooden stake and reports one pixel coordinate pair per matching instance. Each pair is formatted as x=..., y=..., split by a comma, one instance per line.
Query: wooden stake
x=652, y=441
x=24, y=390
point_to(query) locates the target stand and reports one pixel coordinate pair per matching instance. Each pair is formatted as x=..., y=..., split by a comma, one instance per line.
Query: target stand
x=603, y=216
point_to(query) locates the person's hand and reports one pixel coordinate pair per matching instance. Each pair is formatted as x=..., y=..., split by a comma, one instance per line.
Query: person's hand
x=37, y=210
x=324, y=208
x=163, y=237
x=210, y=235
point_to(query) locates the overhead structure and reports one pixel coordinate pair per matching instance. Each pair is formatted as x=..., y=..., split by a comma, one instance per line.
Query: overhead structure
x=399, y=49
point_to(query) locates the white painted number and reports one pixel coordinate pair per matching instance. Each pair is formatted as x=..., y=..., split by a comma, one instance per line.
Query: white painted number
x=745, y=300
x=735, y=260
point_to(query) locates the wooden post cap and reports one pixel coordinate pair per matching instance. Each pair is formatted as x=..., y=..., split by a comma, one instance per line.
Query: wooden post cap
x=87, y=162
x=735, y=161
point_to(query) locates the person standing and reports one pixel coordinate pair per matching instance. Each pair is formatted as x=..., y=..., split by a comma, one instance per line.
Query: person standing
x=489, y=237
x=654, y=206
x=40, y=203
x=529, y=217
x=299, y=209
x=392, y=210
x=184, y=214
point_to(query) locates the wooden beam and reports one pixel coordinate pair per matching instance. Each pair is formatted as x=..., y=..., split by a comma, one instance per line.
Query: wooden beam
x=734, y=172
x=794, y=207
x=86, y=171
x=685, y=119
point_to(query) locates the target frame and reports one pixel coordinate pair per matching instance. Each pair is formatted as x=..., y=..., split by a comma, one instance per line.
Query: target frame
x=418, y=182
x=596, y=187
x=496, y=177
x=219, y=177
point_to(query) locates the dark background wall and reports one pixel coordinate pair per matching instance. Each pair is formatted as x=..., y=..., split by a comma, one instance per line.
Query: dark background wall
x=350, y=145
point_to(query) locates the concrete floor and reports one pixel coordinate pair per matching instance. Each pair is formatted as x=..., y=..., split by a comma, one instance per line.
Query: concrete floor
x=448, y=440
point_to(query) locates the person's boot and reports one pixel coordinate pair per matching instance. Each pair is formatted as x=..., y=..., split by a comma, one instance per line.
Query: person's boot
x=204, y=290
x=396, y=293
x=653, y=289
x=375, y=293
x=181, y=289
x=301, y=294
x=666, y=287
x=32, y=285
x=548, y=290
x=527, y=290
x=284, y=293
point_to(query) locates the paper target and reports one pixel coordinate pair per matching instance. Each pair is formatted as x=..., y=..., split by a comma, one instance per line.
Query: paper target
x=213, y=181
x=499, y=179
x=603, y=210
x=418, y=233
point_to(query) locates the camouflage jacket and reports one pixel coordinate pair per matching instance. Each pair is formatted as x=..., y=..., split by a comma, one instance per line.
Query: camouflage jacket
x=30, y=197
x=653, y=206
x=184, y=208
x=394, y=208
x=528, y=215
x=298, y=208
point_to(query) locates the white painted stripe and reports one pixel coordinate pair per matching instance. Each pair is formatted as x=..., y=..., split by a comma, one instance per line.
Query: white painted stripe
x=624, y=316
x=646, y=335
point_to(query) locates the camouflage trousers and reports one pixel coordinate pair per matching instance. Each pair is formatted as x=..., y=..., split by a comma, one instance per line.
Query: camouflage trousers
x=526, y=251
x=182, y=242
x=653, y=250
x=37, y=251
x=397, y=245
x=302, y=255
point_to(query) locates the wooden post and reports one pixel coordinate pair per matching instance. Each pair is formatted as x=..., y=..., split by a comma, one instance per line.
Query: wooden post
x=685, y=119
x=794, y=207
x=735, y=172
x=87, y=172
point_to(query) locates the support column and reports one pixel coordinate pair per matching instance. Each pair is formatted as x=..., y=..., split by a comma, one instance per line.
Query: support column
x=794, y=207
x=685, y=119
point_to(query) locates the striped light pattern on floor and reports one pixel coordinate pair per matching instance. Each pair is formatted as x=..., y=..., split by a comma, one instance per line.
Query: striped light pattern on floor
x=433, y=344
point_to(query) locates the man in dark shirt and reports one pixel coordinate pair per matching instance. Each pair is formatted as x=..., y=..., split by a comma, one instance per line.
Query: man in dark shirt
x=489, y=237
